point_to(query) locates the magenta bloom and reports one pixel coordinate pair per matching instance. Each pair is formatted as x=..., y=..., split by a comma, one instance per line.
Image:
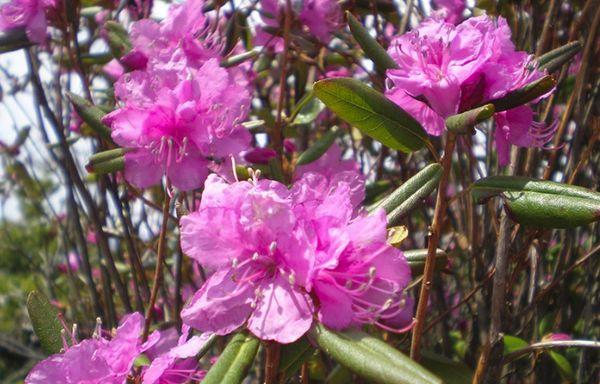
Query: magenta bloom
x=30, y=14
x=173, y=359
x=177, y=131
x=271, y=247
x=247, y=232
x=446, y=69
x=357, y=277
x=318, y=17
x=97, y=360
x=337, y=171
x=450, y=10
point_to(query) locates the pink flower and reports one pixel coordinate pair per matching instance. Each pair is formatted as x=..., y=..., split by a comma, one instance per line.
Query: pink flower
x=180, y=111
x=29, y=14
x=97, y=360
x=319, y=17
x=260, y=155
x=173, y=359
x=446, y=69
x=177, y=131
x=450, y=10
x=336, y=171
x=272, y=247
x=557, y=337
x=357, y=277
x=73, y=263
x=246, y=231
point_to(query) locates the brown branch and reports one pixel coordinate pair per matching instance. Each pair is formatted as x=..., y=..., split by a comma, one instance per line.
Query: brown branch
x=434, y=238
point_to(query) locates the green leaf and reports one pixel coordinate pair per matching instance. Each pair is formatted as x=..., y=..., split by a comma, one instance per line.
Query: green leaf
x=416, y=260
x=464, y=122
x=234, y=362
x=319, y=147
x=541, y=203
x=452, y=372
x=307, y=110
x=293, y=356
x=118, y=39
x=339, y=375
x=553, y=60
x=372, y=113
x=564, y=367
x=44, y=318
x=370, y=46
x=370, y=358
x=13, y=39
x=91, y=114
x=238, y=59
x=409, y=188
x=410, y=194
x=525, y=94
x=513, y=343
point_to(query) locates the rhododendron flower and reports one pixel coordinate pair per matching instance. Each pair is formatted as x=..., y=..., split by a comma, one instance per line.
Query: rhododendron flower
x=173, y=359
x=97, y=360
x=260, y=155
x=29, y=14
x=445, y=69
x=450, y=10
x=73, y=263
x=272, y=246
x=246, y=231
x=319, y=17
x=337, y=171
x=178, y=131
x=358, y=278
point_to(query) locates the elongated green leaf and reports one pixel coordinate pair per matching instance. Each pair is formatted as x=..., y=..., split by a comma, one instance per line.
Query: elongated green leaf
x=553, y=60
x=108, y=166
x=13, y=39
x=452, y=372
x=540, y=203
x=372, y=113
x=319, y=147
x=293, y=356
x=421, y=185
x=370, y=357
x=118, y=39
x=464, y=122
x=370, y=46
x=91, y=114
x=234, y=362
x=44, y=318
x=525, y=94
x=238, y=59
x=339, y=375
x=416, y=260
x=563, y=365
x=513, y=343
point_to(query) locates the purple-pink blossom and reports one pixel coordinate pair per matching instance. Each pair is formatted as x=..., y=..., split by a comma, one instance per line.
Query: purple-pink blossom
x=28, y=14
x=173, y=358
x=246, y=232
x=318, y=17
x=275, y=250
x=445, y=69
x=450, y=10
x=180, y=112
x=98, y=360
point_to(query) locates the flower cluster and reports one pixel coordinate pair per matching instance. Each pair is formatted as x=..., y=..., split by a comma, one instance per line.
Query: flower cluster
x=445, y=69
x=109, y=360
x=320, y=17
x=28, y=14
x=282, y=255
x=180, y=111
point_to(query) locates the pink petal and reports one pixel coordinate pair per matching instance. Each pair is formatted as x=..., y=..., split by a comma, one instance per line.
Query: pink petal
x=283, y=313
